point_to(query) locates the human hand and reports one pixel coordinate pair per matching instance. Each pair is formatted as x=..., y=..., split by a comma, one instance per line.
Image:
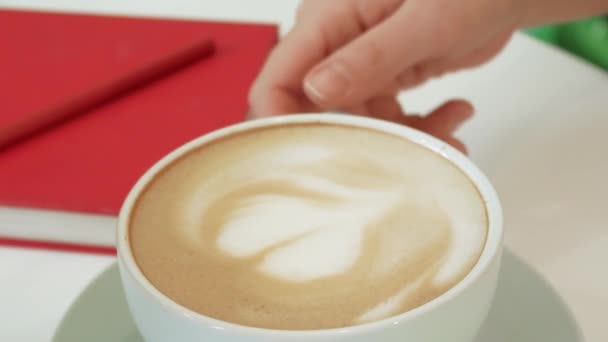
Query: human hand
x=356, y=55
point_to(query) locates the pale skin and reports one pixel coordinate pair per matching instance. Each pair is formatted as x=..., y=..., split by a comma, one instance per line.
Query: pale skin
x=357, y=55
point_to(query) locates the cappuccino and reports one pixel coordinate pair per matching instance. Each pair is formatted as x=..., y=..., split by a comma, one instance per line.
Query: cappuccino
x=307, y=226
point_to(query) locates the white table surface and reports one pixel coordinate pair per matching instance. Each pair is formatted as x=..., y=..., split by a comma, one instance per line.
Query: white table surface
x=539, y=133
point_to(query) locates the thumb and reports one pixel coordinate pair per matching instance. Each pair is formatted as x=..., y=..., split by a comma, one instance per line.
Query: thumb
x=364, y=66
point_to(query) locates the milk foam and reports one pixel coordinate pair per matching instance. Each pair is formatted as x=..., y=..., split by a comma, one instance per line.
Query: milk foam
x=304, y=239
x=306, y=212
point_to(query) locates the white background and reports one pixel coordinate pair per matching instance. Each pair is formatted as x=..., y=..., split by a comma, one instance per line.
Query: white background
x=539, y=133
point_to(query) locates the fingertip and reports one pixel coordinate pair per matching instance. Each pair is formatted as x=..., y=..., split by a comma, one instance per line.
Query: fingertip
x=279, y=101
x=459, y=145
x=312, y=92
x=257, y=106
x=327, y=84
x=467, y=107
x=451, y=114
x=262, y=104
x=460, y=108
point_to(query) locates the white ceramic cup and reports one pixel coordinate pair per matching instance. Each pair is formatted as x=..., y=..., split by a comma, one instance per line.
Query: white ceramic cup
x=455, y=316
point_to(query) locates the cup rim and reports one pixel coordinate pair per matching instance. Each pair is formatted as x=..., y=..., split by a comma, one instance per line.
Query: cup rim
x=487, y=192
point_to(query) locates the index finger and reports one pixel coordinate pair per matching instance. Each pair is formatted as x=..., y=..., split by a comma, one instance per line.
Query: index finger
x=278, y=87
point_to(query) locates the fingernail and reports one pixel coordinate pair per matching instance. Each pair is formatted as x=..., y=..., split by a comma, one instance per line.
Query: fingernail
x=329, y=83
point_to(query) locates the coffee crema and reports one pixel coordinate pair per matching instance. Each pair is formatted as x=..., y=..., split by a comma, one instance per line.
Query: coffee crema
x=307, y=226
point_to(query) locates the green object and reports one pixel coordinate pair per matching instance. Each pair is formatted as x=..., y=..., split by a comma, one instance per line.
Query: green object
x=587, y=38
x=548, y=33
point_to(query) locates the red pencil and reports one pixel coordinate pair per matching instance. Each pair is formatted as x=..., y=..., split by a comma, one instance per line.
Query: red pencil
x=56, y=246
x=103, y=93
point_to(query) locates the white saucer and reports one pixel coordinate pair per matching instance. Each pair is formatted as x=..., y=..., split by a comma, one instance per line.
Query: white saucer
x=526, y=309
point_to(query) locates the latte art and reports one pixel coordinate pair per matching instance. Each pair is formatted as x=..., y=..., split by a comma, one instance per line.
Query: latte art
x=308, y=227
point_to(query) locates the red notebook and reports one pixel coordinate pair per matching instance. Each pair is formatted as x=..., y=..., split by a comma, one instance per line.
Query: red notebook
x=89, y=163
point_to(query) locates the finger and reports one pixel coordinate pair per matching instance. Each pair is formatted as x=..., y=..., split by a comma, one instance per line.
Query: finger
x=359, y=110
x=386, y=108
x=277, y=90
x=321, y=27
x=457, y=144
x=441, y=123
x=422, y=72
x=419, y=74
x=447, y=118
x=361, y=68
x=476, y=57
